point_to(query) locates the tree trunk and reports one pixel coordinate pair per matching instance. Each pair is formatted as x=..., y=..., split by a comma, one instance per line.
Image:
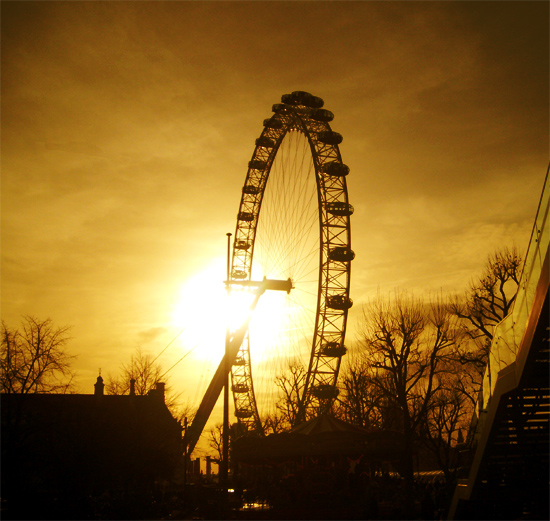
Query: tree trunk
x=408, y=473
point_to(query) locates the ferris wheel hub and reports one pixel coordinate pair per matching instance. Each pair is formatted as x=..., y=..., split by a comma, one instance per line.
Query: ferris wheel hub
x=265, y=284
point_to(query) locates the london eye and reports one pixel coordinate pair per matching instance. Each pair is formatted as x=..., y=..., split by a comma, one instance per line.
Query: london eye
x=293, y=223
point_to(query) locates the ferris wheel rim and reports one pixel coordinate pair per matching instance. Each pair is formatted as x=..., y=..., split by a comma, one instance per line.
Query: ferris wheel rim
x=303, y=112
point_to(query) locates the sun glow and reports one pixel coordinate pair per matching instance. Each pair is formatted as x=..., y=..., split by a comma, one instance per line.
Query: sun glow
x=204, y=310
x=200, y=311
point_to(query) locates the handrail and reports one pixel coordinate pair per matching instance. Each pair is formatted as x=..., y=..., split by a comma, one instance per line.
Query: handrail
x=509, y=332
x=511, y=338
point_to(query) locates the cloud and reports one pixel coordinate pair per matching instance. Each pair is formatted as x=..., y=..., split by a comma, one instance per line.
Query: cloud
x=152, y=334
x=127, y=128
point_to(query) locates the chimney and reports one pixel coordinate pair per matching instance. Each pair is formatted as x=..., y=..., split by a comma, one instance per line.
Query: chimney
x=99, y=386
x=132, y=387
x=160, y=390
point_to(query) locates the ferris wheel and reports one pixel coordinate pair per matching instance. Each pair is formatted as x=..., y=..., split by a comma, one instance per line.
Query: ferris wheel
x=294, y=223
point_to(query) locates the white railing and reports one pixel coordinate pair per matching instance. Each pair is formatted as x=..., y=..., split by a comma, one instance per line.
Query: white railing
x=509, y=332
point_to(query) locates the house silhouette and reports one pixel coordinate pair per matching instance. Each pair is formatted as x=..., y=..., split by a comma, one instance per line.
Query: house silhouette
x=70, y=455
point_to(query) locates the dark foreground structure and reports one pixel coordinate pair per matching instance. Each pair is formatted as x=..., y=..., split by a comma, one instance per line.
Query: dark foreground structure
x=510, y=471
x=77, y=456
x=329, y=469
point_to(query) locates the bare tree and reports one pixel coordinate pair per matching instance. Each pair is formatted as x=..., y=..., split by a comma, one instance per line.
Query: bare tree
x=447, y=414
x=215, y=441
x=142, y=369
x=33, y=358
x=146, y=373
x=484, y=304
x=184, y=414
x=274, y=423
x=490, y=298
x=291, y=385
x=406, y=344
x=360, y=401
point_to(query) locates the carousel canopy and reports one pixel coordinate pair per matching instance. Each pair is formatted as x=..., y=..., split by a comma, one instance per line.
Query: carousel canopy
x=323, y=435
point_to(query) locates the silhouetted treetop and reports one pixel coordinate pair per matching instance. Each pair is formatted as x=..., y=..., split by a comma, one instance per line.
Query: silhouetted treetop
x=33, y=358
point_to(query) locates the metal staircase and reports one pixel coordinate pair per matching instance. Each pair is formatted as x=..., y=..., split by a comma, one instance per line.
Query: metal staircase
x=509, y=474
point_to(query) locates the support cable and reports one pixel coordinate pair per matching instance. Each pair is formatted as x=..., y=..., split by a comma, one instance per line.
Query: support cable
x=188, y=352
x=169, y=344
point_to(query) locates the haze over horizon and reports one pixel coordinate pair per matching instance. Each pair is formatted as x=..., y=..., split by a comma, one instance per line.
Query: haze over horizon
x=127, y=128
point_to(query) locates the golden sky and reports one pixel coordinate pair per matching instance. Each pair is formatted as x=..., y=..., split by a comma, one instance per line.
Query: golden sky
x=127, y=128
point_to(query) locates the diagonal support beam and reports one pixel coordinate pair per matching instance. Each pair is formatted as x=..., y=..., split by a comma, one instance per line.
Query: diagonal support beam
x=212, y=394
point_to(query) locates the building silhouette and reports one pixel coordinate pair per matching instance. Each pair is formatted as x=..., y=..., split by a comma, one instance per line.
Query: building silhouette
x=70, y=455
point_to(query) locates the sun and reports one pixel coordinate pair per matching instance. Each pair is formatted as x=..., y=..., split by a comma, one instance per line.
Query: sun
x=204, y=310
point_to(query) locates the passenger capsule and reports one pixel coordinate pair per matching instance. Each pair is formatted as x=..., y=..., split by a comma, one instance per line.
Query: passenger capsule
x=323, y=115
x=340, y=302
x=264, y=141
x=239, y=361
x=245, y=216
x=251, y=189
x=257, y=164
x=315, y=102
x=243, y=413
x=340, y=208
x=288, y=99
x=333, y=349
x=324, y=391
x=242, y=245
x=335, y=169
x=308, y=100
x=280, y=107
x=298, y=96
x=329, y=137
x=273, y=123
x=238, y=274
x=341, y=254
x=240, y=388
